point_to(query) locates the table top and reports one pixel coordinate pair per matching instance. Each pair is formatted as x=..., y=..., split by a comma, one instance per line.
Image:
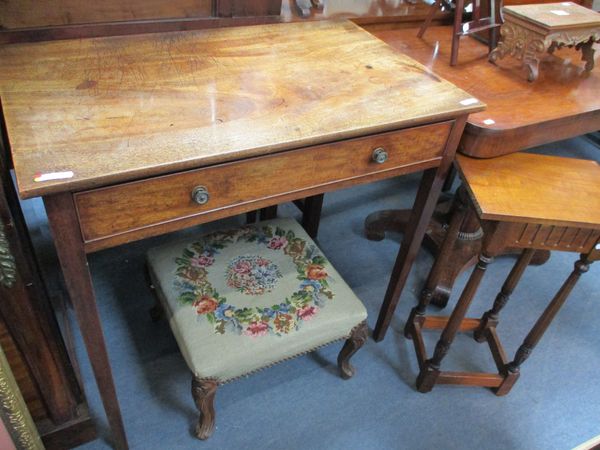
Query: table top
x=562, y=103
x=555, y=16
x=101, y=111
x=549, y=189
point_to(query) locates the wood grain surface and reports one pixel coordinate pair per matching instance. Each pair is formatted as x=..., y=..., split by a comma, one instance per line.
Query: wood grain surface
x=564, y=102
x=121, y=108
x=556, y=15
x=128, y=207
x=550, y=189
x=42, y=13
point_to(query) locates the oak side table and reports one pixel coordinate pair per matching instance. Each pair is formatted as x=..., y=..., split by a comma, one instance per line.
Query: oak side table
x=529, y=31
x=560, y=213
x=134, y=136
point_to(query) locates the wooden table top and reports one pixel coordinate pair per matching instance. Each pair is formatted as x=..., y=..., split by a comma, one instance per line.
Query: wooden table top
x=549, y=189
x=123, y=108
x=555, y=16
x=564, y=102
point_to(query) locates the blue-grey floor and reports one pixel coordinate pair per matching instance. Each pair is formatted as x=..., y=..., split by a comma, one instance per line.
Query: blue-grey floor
x=304, y=404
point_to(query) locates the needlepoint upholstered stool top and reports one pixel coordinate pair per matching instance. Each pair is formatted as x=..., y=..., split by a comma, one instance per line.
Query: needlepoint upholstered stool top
x=240, y=300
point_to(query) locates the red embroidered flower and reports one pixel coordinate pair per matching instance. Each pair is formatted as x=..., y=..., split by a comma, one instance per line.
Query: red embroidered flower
x=316, y=272
x=307, y=313
x=242, y=266
x=277, y=242
x=205, y=304
x=256, y=329
x=203, y=260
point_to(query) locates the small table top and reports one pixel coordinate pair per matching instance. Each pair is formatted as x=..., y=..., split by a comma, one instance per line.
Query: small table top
x=531, y=188
x=555, y=16
x=122, y=108
x=563, y=103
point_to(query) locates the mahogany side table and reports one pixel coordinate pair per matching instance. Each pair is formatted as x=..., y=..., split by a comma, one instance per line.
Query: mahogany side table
x=562, y=214
x=136, y=136
x=529, y=31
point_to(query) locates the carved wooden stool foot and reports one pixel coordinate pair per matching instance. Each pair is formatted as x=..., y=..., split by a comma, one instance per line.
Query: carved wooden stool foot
x=356, y=340
x=204, y=392
x=587, y=54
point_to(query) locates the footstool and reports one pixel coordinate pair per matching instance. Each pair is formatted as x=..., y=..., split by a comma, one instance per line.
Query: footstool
x=244, y=299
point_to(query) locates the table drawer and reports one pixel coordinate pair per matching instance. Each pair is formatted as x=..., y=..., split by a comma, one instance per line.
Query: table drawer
x=111, y=211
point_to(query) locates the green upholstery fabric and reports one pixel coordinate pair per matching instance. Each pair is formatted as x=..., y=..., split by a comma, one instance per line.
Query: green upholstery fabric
x=241, y=300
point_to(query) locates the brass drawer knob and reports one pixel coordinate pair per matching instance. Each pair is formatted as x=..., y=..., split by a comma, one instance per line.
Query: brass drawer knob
x=379, y=155
x=200, y=195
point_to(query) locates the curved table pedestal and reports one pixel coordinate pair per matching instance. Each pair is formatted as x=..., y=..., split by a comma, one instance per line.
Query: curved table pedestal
x=464, y=252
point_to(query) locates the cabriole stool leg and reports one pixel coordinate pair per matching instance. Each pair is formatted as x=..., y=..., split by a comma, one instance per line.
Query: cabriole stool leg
x=357, y=339
x=490, y=318
x=203, y=392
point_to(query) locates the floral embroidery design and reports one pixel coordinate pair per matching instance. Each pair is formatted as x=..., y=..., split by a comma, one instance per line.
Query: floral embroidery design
x=253, y=275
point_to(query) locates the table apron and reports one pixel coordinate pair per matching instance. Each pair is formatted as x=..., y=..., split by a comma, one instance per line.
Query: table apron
x=131, y=211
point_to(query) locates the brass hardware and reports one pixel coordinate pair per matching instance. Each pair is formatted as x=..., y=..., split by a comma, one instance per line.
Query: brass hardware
x=379, y=155
x=200, y=195
x=8, y=267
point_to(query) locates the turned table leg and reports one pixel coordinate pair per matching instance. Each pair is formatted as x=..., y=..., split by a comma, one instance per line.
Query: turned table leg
x=357, y=339
x=431, y=370
x=548, y=315
x=203, y=392
x=490, y=318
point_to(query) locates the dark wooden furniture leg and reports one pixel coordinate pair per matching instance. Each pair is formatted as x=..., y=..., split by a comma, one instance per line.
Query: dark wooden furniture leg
x=203, y=392
x=548, y=315
x=427, y=196
x=456, y=31
x=64, y=225
x=431, y=370
x=433, y=9
x=311, y=214
x=490, y=318
x=440, y=263
x=356, y=340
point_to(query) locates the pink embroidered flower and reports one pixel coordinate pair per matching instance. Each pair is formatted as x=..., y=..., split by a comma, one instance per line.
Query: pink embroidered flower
x=307, y=313
x=262, y=262
x=256, y=329
x=204, y=260
x=277, y=242
x=205, y=304
x=316, y=272
x=242, y=266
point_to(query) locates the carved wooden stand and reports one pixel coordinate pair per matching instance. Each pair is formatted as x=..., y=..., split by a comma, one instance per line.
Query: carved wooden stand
x=531, y=31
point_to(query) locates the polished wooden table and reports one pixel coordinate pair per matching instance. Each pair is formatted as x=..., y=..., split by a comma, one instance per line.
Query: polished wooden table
x=561, y=104
x=131, y=137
